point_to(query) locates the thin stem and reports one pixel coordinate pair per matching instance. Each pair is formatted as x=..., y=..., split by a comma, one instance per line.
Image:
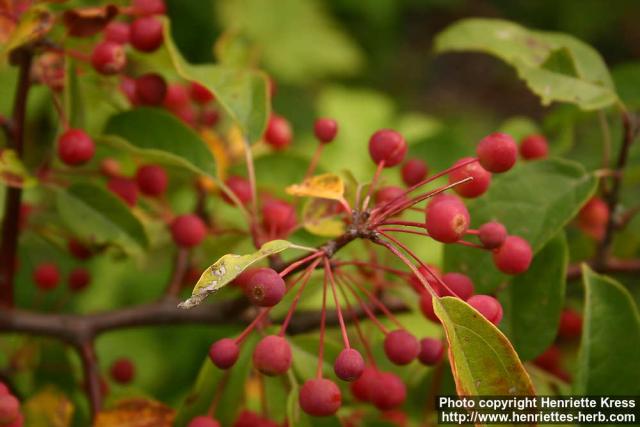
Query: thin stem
x=218, y=394
x=371, y=265
x=181, y=265
x=91, y=375
x=375, y=300
x=343, y=328
x=372, y=186
x=365, y=308
x=314, y=161
x=252, y=176
x=305, y=279
x=300, y=262
x=355, y=320
x=263, y=312
x=606, y=139
x=323, y=321
x=404, y=230
x=405, y=224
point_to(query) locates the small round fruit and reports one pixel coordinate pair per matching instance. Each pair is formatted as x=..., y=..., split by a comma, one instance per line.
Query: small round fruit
x=151, y=89
x=203, y=421
x=497, y=152
x=278, y=133
x=108, y=58
x=148, y=7
x=125, y=188
x=79, y=279
x=443, y=197
x=240, y=187
x=488, y=306
x=146, y=34
x=426, y=307
x=320, y=397
x=117, y=32
x=152, y=180
x=361, y=388
x=387, y=194
x=176, y=97
x=514, y=256
x=477, y=186
x=46, y=276
x=188, y=230
x=431, y=351
x=200, y=94
x=595, y=213
x=4, y=389
x=128, y=88
x=9, y=409
x=78, y=249
x=549, y=359
x=325, y=130
x=265, y=287
x=278, y=217
x=349, y=365
x=389, y=146
x=75, y=147
x=242, y=279
x=460, y=284
x=492, y=234
x=401, y=347
x=570, y=324
x=416, y=283
x=122, y=371
x=224, y=353
x=534, y=147
x=272, y=356
x=251, y=419
x=447, y=221
x=388, y=391
x=414, y=171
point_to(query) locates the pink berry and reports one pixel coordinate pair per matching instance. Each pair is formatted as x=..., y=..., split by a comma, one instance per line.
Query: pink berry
x=9, y=409
x=593, y=217
x=151, y=89
x=426, y=307
x=388, y=391
x=146, y=34
x=549, y=359
x=325, y=130
x=477, y=186
x=514, y=256
x=349, y=365
x=202, y=421
x=320, y=397
x=278, y=217
x=122, y=370
x=416, y=283
x=488, y=306
x=152, y=180
x=570, y=324
x=534, y=147
x=224, y=353
x=431, y=351
x=117, y=32
x=242, y=279
x=401, y=347
x=443, y=197
x=128, y=88
x=188, y=230
x=148, y=7
x=492, y=234
x=79, y=278
x=272, y=356
x=389, y=146
x=387, y=194
x=265, y=287
x=200, y=94
x=497, y=152
x=108, y=58
x=78, y=249
x=414, y=171
x=460, y=284
x=176, y=97
x=209, y=117
x=125, y=188
x=75, y=147
x=4, y=389
x=46, y=276
x=361, y=388
x=278, y=133
x=18, y=422
x=251, y=419
x=447, y=221
x=240, y=187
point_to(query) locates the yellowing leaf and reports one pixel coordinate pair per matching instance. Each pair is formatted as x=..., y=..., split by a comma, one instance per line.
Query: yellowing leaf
x=319, y=217
x=217, y=148
x=325, y=186
x=136, y=412
x=228, y=268
x=48, y=408
x=34, y=23
x=12, y=171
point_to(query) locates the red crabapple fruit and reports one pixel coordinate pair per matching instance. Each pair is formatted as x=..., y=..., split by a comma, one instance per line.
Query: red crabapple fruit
x=108, y=58
x=325, y=130
x=224, y=353
x=117, y=32
x=414, y=171
x=203, y=421
x=278, y=134
x=122, y=370
x=534, y=147
x=320, y=397
x=78, y=250
x=242, y=279
x=272, y=356
x=460, y=284
x=477, y=186
x=146, y=34
x=492, y=234
x=488, y=306
x=148, y=7
x=389, y=146
x=361, y=388
x=46, y=276
x=349, y=365
x=75, y=147
x=497, y=152
x=176, y=97
x=188, y=230
x=388, y=391
x=200, y=94
x=278, y=217
x=426, y=307
x=265, y=287
x=240, y=187
x=514, y=256
x=79, y=279
x=447, y=221
x=416, y=283
x=151, y=89
x=152, y=180
x=401, y=347
x=9, y=409
x=549, y=359
x=593, y=218
x=431, y=351
x=570, y=324
x=125, y=188
x=387, y=194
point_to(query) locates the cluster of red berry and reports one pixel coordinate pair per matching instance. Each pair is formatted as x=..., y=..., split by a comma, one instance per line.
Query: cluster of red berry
x=10, y=415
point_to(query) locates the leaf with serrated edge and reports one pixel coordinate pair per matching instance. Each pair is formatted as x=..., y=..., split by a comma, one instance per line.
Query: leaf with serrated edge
x=326, y=186
x=483, y=360
x=228, y=268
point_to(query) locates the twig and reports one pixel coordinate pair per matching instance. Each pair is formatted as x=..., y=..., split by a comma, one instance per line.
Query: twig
x=611, y=266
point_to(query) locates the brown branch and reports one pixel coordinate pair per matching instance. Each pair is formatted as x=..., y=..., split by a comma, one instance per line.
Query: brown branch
x=625, y=266
x=180, y=267
x=11, y=221
x=91, y=375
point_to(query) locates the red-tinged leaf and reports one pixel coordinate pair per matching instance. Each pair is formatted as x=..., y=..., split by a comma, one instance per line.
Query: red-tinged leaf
x=88, y=21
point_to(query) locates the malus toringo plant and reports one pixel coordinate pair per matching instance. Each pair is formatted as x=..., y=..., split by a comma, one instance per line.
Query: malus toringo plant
x=102, y=189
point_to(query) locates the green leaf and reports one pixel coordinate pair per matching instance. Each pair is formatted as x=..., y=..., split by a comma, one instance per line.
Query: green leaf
x=533, y=300
x=158, y=135
x=227, y=268
x=72, y=96
x=610, y=346
x=13, y=173
x=556, y=67
x=98, y=216
x=242, y=92
x=483, y=360
x=535, y=200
